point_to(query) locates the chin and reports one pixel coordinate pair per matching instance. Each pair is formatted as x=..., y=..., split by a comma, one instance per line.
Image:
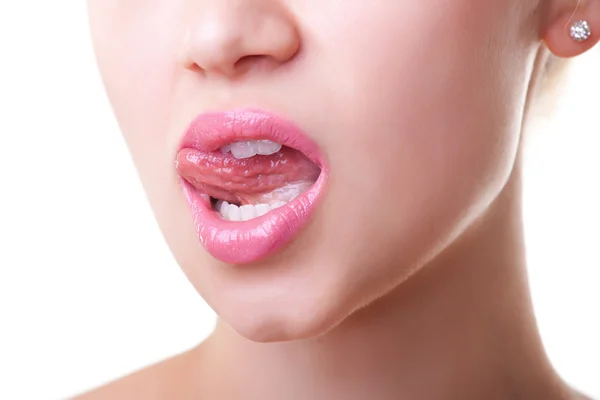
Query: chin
x=281, y=321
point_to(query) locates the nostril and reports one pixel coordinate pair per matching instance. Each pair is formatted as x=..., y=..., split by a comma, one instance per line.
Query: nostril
x=195, y=68
x=241, y=66
x=246, y=63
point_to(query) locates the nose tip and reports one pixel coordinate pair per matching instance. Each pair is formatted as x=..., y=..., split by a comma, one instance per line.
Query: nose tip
x=232, y=39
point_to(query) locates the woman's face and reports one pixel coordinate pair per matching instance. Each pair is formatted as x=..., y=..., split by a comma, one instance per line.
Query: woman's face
x=415, y=108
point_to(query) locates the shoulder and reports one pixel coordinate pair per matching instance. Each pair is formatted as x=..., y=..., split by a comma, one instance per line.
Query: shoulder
x=169, y=379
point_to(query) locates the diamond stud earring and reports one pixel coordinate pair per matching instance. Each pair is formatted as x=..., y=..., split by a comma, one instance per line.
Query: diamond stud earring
x=580, y=31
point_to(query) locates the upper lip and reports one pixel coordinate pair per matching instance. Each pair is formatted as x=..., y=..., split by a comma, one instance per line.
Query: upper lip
x=210, y=131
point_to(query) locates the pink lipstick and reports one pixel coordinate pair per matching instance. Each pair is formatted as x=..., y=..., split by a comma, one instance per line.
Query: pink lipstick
x=251, y=180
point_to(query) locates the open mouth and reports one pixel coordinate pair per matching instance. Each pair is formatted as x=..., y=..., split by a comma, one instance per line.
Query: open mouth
x=251, y=180
x=246, y=179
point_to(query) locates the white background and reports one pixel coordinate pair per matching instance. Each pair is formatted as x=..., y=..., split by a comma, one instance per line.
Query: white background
x=88, y=288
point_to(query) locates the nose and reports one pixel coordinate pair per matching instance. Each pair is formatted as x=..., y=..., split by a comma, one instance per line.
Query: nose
x=231, y=37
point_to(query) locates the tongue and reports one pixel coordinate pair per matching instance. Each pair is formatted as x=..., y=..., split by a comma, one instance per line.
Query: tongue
x=259, y=179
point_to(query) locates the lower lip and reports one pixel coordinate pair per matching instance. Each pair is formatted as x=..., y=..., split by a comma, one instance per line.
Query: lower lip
x=250, y=241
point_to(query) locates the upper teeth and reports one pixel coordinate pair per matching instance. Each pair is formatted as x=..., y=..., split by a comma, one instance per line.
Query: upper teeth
x=251, y=148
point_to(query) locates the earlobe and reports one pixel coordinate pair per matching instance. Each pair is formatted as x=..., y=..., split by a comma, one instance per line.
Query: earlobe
x=574, y=32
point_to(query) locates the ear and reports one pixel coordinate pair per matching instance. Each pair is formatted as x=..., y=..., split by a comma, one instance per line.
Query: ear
x=557, y=35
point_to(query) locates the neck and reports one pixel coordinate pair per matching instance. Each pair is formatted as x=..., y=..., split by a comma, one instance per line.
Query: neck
x=463, y=327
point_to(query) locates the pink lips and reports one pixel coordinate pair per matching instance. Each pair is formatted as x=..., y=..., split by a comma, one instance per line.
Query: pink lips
x=249, y=241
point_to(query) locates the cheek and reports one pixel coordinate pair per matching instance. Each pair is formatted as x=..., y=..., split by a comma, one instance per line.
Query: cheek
x=137, y=44
x=418, y=125
x=432, y=89
x=136, y=51
x=136, y=48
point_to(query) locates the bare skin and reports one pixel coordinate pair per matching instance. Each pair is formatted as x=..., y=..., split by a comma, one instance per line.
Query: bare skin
x=463, y=328
x=423, y=297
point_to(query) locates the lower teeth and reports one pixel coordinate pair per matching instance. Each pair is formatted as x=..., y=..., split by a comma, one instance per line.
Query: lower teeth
x=263, y=202
x=231, y=212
